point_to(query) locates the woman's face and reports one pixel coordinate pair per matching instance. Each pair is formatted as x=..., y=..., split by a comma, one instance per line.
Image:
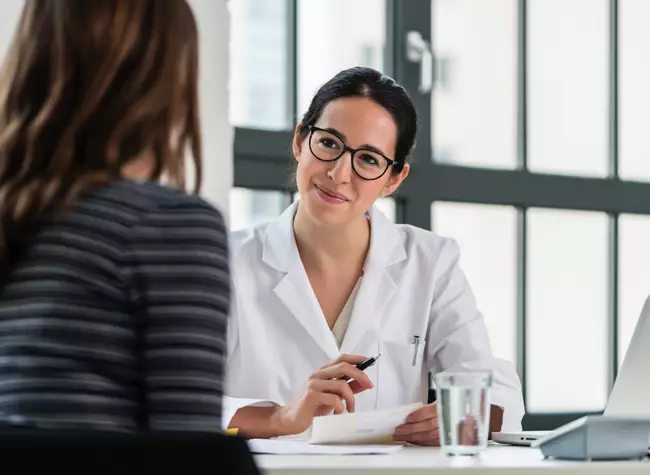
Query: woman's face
x=331, y=192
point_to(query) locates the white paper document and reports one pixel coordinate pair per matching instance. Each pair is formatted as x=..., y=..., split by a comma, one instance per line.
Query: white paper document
x=368, y=427
x=293, y=447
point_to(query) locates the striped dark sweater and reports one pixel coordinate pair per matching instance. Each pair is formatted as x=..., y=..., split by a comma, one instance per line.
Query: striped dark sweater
x=116, y=318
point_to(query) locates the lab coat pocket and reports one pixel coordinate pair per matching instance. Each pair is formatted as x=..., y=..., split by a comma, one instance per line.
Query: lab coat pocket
x=401, y=373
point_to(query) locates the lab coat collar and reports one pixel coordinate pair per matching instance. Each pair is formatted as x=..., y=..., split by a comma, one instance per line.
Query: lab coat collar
x=294, y=290
x=280, y=251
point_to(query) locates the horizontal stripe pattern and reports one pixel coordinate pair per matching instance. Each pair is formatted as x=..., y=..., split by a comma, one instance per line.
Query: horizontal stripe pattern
x=119, y=306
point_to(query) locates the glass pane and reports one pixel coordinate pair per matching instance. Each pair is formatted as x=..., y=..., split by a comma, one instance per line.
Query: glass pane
x=335, y=35
x=567, y=86
x=487, y=236
x=633, y=284
x=634, y=94
x=253, y=207
x=567, y=305
x=259, y=64
x=474, y=96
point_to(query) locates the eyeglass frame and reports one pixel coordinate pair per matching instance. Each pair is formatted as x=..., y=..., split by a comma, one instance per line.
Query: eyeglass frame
x=346, y=148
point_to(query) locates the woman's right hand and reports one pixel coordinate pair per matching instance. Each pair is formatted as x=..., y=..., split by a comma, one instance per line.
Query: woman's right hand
x=322, y=394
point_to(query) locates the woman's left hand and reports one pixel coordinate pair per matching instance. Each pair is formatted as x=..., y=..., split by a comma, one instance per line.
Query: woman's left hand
x=420, y=427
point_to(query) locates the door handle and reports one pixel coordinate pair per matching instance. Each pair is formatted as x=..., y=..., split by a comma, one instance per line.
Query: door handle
x=418, y=50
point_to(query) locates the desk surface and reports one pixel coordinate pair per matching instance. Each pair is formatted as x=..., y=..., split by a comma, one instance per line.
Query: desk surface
x=420, y=460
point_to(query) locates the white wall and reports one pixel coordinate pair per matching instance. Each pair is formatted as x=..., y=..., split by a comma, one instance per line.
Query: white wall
x=9, y=14
x=213, y=21
x=214, y=25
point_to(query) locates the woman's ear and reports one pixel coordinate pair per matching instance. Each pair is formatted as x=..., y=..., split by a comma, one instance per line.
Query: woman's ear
x=395, y=181
x=297, y=142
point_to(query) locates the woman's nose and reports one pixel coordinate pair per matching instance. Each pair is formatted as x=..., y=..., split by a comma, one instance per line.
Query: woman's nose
x=341, y=170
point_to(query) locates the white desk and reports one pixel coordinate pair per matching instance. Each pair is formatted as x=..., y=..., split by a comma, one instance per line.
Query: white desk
x=420, y=460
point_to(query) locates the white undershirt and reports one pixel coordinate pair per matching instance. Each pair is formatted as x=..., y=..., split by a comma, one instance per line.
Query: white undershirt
x=341, y=324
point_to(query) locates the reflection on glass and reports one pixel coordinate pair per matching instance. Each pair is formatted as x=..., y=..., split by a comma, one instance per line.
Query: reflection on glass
x=335, y=35
x=258, y=64
x=634, y=275
x=567, y=304
x=474, y=95
x=487, y=237
x=634, y=93
x=567, y=86
x=253, y=207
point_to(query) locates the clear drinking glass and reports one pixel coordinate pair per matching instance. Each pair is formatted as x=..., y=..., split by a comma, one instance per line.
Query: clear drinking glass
x=463, y=400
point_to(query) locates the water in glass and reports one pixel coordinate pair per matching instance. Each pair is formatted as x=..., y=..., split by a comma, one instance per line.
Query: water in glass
x=463, y=400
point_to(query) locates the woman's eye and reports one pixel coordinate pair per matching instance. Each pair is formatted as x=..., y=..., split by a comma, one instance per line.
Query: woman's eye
x=369, y=160
x=329, y=143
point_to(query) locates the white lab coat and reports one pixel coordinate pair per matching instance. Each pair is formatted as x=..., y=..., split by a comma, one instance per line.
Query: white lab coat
x=412, y=285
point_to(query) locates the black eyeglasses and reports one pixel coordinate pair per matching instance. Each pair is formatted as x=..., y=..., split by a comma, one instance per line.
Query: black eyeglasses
x=328, y=147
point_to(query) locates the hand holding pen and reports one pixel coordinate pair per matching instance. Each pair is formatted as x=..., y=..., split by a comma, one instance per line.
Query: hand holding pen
x=362, y=366
x=324, y=392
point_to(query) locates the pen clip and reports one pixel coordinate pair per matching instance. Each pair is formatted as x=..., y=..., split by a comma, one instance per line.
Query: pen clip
x=416, y=343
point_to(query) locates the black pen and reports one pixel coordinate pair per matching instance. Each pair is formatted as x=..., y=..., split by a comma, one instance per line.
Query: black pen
x=432, y=397
x=363, y=365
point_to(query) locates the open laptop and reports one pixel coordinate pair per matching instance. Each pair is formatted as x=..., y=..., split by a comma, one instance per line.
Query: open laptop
x=630, y=396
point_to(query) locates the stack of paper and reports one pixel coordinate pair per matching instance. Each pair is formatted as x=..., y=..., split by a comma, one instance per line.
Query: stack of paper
x=343, y=434
x=370, y=427
x=293, y=447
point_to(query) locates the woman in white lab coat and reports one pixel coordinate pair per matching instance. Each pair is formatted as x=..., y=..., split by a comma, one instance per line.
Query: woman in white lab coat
x=333, y=281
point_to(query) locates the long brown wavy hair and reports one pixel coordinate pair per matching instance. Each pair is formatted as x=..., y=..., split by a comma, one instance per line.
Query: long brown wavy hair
x=87, y=87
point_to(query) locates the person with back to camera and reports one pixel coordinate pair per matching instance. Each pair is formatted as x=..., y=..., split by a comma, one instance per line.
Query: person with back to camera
x=114, y=289
x=332, y=281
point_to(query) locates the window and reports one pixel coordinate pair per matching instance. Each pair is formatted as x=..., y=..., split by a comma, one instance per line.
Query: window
x=567, y=55
x=567, y=307
x=473, y=106
x=334, y=35
x=531, y=153
x=634, y=77
x=259, y=64
x=253, y=207
x=443, y=74
x=634, y=276
x=489, y=263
